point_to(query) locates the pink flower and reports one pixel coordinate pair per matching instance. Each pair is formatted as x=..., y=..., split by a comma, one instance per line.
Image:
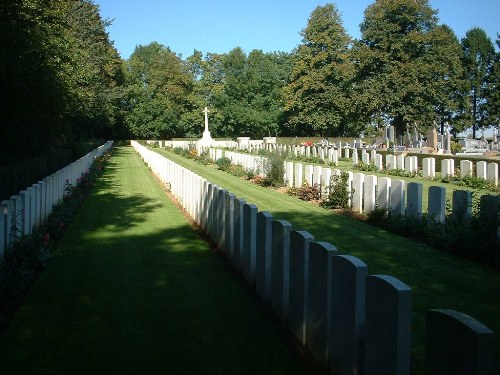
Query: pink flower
x=61, y=225
x=67, y=180
x=46, y=238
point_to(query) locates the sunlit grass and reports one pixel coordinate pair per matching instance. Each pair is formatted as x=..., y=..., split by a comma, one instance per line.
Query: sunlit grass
x=438, y=280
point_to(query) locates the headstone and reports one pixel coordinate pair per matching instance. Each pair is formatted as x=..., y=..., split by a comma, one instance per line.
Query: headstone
x=489, y=208
x=461, y=206
x=388, y=326
x=357, y=192
x=493, y=173
x=355, y=157
x=482, y=170
x=317, y=170
x=263, y=254
x=249, y=241
x=298, y=179
x=299, y=279
x=346, y=153
x=414, y=199
x=400, y=159
x=392, y=134
x=348, y=313
x=457, y=344
x=3, y=230
x=238, y=231
x=280, y=268
x=320, y=299
x=432, y=139
x=289, y=173
x=229, y=222
x=308, y=174
x=465, y=168
x=437, y=203
x=391, y=162
x=427, y=168
x=326, y=176
x=369, y=189
x=447, y=168
x=383, y=197
x=379, y=162
x=398, y=192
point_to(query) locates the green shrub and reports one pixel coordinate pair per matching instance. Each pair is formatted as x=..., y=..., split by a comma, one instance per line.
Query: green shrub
x=366, y=167
x=223, y=163
x=274, y=170
x=338, y=196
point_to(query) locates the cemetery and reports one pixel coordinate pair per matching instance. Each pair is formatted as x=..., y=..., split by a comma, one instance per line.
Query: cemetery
x=340, y=215
x=243, y=257
x=298, y=274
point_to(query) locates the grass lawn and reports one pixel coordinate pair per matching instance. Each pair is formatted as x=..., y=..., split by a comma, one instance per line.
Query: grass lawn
x=438, y=280
x=133, y=289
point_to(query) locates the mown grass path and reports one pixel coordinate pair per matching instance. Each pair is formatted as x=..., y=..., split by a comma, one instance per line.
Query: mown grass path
x=438, y=280
x=133, y=289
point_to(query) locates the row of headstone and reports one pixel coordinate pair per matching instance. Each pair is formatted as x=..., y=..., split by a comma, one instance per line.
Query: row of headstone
x=369, y=192
x=409, y=164
x=349, y=320
x=27, y=210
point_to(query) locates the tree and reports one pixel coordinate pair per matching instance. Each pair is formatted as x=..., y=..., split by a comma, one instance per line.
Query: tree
x=158, y=87
x=405, y=63
x=493, y=89
x=59, y=76
x=316, y=100
x=477, y=60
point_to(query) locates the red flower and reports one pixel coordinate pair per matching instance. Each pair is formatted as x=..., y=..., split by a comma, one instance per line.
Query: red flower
x=61, y=225
x=46, y=238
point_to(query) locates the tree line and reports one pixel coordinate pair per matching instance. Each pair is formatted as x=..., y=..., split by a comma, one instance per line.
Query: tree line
x=63, y=82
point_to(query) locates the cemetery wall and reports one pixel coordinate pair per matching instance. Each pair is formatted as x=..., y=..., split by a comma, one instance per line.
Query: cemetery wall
x=350, y=321
x=25, y=211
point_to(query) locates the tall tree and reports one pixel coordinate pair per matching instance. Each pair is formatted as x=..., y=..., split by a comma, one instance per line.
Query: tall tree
x=317, y=98
x=477, y=60
x=493, y=90
x=58, y=75
x=405, y=62
x=158, y=85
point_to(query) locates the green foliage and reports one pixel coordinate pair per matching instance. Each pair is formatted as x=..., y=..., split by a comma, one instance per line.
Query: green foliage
x=406, y=63
x=493, y=89
x=317, y=97
x=365, y=167
x=59, y=77
x=158, y=85
x=478, y=55
x=338, y=196
x=274, y=170
x=223, y=163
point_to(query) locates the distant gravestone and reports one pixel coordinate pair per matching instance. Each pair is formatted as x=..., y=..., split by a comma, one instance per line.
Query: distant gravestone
x=432, y=139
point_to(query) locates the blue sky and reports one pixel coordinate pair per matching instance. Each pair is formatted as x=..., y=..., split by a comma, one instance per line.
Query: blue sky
x=270, y=25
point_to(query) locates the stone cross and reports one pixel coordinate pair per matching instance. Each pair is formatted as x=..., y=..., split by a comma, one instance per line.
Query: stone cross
x=206, y=118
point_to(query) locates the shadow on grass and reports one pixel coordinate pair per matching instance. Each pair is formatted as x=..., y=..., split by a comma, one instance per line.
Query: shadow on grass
x=437, y=279
x=134, y=290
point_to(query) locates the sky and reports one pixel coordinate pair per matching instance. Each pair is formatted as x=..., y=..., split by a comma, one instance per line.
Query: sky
x=218, y=26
